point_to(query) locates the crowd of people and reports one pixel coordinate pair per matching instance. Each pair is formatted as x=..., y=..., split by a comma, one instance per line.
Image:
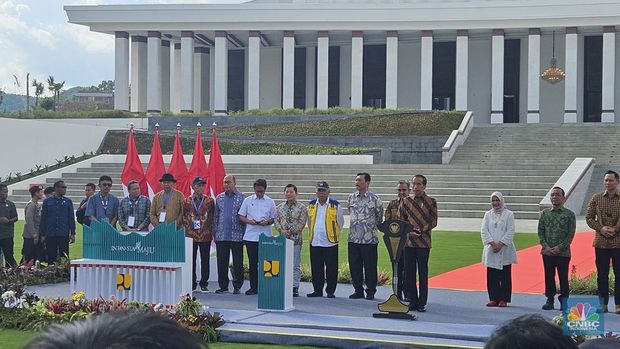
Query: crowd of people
x=233, y=220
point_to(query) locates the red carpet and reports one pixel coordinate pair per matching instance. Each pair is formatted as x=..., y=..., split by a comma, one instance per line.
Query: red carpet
x=527, y=274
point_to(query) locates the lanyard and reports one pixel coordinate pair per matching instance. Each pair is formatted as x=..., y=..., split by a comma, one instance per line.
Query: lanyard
x=166, y=198
x=104, y=203
x=197, y=209
x=133, y=205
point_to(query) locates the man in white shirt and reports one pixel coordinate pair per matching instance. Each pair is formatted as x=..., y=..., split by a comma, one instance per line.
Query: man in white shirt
x=258, y=213
x=325, y=221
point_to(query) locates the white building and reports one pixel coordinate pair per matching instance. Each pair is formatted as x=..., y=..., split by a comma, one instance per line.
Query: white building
x=481, y=55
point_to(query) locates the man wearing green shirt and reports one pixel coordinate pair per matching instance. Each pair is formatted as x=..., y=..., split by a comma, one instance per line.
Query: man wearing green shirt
x=556, y=229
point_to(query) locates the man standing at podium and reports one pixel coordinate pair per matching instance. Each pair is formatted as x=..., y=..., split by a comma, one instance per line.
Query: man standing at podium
x=393, y=211
x=258, y=213
x=325, y=221
x=291, y=217
x=103, y=206
x=167, y=205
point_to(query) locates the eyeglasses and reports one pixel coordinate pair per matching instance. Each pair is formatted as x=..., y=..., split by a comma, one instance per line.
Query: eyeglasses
x=105, y=184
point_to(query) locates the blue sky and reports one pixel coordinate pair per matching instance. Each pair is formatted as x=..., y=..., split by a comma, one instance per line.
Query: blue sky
x=35, y=38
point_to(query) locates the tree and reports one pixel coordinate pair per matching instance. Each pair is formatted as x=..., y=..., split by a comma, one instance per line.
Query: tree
x=58, y=87
x=38, y=90
x=47, y=103
x=51, y=86
x=106, y=86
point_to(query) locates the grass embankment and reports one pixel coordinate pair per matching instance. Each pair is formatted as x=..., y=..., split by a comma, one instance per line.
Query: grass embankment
x=399, y=124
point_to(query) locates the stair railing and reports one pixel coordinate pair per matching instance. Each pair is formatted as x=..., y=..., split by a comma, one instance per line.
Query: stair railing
x=575, y=181
x=457, y=138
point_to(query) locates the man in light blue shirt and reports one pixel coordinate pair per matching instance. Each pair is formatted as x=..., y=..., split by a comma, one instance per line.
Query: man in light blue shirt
x=103, y=206
x=258, y=213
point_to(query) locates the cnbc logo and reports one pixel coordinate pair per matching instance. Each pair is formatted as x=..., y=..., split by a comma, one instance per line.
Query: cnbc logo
x=582, y=319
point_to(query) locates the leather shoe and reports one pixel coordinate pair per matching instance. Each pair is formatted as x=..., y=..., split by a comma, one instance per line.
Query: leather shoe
x=492, y=304
x=421, y=308
x=236, y=291
x=331, y=295
x=370, y=297
x=221, y=290
x=314, y=295
x=502, y=304
x=548, y=306
x=250, y=292
x=356, y=296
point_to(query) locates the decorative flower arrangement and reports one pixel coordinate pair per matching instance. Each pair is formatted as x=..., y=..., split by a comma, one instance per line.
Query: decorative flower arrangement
x=195, y=317
x=36, y=274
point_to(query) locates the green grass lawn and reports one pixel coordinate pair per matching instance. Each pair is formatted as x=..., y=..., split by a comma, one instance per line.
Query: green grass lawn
x=13, y=339
x=451, y=249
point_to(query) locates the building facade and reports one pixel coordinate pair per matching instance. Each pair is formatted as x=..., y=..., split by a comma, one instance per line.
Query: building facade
x=486, y=56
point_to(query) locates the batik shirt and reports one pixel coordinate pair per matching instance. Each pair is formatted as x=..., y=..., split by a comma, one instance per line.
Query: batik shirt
x=291, y=217
x=366, y=212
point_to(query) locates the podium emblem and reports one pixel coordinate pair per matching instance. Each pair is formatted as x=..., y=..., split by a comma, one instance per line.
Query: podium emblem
x=123, y=282
x=271, y=268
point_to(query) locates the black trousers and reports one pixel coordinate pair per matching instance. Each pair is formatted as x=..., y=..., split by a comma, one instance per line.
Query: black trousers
x=603, y=257
x=551, y=264
x=416, y=262
x=399, y=272
x=205, y=251
x=251, y=248
x=6, y=245
x=30, y=251
x=363, y=267
x=324, y=268
x=499, y=284
x=57, y=246
x=223, y=250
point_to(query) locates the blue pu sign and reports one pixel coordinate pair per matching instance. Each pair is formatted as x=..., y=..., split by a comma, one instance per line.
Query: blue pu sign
x=163, y=244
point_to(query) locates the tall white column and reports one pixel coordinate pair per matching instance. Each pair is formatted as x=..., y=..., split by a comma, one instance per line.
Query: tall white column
x=310, y=76
x=391, y=70
x=426, y=71
x=497, y=77
x=288, y=70
x=138, y=74
x=254, y=70
x=187, y=72
x=175, y=83
x=462, y=69
x=609, y=73
x=322, y=79
x=570, y=82
x=201, y=79
x=220, y=94
x=357, y=69
x=533, y=76
x=121, y=71
x=165, y=75
x=153, y=80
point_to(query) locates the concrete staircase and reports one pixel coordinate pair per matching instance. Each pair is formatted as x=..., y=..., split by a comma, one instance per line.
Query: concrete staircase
x=462, y=190
x=540, y=145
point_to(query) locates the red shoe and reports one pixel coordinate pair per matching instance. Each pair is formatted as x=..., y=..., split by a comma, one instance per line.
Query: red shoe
x=492, y=304
x=502, y=304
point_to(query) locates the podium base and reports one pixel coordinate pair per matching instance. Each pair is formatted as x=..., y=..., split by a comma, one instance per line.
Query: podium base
x=400, y=316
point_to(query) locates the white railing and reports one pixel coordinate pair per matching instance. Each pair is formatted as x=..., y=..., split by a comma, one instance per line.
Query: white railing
x=457, y=138
x=575, y=181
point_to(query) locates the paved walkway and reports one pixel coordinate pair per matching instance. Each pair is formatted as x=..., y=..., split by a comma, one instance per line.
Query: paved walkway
x=457, y=319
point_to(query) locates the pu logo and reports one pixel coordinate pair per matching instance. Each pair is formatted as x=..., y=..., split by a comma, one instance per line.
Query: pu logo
x=123, y=282
x=271, y=268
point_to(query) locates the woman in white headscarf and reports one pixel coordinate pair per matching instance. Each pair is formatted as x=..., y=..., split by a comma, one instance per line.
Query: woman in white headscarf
x=499, y=253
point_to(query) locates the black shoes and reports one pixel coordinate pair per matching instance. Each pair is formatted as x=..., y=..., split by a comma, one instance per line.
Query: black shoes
x=421, y=308
x=331, y=295
x=221, y=291
x=314, y=295
x=236, y=291
x=370, y=296
x=548, y=305
x=250, y=292
x=356, y=296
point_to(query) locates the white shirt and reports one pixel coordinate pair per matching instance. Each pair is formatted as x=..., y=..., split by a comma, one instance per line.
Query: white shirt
x=319, y=239
x=258, y=210
x=499, y=228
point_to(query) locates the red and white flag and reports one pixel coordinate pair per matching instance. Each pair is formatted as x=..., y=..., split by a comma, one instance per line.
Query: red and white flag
x=156, y=167
x=177, y=167
x=133, y=171
x=199, y=167
x=217, y=172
